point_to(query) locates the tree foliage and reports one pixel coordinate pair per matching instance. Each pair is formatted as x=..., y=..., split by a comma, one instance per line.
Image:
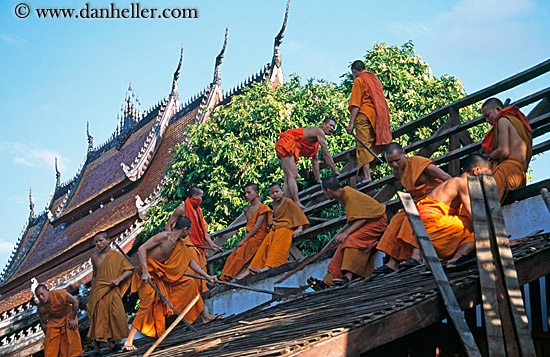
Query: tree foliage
x=236, y=145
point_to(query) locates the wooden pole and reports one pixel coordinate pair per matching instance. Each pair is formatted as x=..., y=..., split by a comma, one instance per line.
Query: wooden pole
x=169, y=329
x=361, y=142
x=239, y=286
x=153, y=286
x=546, y=197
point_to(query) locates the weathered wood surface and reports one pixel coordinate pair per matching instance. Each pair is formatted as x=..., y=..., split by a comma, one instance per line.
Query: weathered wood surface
x=431, y=259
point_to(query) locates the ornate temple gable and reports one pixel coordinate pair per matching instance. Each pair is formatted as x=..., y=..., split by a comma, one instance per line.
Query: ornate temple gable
x=214, y=93
x=276, y=76
x=153, y=140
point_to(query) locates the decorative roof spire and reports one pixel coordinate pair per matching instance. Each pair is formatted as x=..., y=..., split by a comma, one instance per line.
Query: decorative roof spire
x=31, y=205
x=90, y=138
x=177, y=75
x=217, y=77
x=130, y=112
x=57, y=175
x=278, y=40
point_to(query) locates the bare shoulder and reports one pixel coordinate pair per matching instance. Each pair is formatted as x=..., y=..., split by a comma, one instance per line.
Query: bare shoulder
x=313, y=133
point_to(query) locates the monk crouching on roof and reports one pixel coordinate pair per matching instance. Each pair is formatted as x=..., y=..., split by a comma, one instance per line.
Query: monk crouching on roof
x=258, y=217
x=198, y=236
x=370, y=115
x=288, y=222
x=446, y=214
x=57, y=312
x=509, y=145
x=419, y=176
x=164, y=259
x=303, y=142
x=110, y=280
x=366, y=218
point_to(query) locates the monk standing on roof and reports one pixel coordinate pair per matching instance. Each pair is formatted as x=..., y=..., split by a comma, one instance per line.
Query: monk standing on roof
x=164, y=259
x=446, y=214
x=366, y=218
x=198, y=234
x=370, y=115
x=110, y=280
x=509, y=145
x=258, y=217
x=288, y=222
x=303, y=142
x=57, y=312
x=419, y=176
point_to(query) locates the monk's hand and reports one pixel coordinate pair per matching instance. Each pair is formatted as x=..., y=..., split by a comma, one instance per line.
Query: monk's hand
x=114, y=283
x=211, y=279
x=336, y=173
x=73, y=325
x=146, y=277
x=216, y=248
x=296, y=232
x=349, y=129
x=340, y=238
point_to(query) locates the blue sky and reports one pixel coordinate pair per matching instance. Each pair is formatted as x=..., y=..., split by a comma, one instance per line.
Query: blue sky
x=57, y=74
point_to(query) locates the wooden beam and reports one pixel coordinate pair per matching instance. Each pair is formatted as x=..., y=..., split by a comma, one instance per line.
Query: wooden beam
x=430, y=256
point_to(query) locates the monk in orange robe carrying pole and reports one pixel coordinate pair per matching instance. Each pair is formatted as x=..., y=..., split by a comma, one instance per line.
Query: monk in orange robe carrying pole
x=164, y=259
x=288, y=222
x=366, y=218
x=446, y=214
x=303, y=142
x=370, y=115
x=419, y=176
x=258, y=217
x=509, y=145
x=110, y=280
x=198, y=234
x=57, y=312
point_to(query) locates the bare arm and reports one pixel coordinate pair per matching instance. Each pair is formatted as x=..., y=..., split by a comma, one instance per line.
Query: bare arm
x=42, y=315
x=197, y=269
x=340, y=238
x=436, y=172
x=142, y=254
x=178, y=212
x=353, y=114
x=503, y=150
x=121, y=278
x=464, y=195
x=73, y=325
x=315, y=166
x=259, y=223
x=209, y=241
x=326, y=154
x=297, y=231
x=94, y=270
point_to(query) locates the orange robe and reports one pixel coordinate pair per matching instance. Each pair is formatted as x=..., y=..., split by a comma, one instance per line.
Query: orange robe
x=509, y=173
x=196, y=237
x=294, y=143
x=276, y=245
x=350, y=255
x=447, y=228
x=105, y=307
x=399, y=227
x=372, y=124
x=244, y=253
x=178, y=289
x=61, y=340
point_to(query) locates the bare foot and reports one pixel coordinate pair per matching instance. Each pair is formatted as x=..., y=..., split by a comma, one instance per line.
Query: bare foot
x=126, y=347
x=207, y=317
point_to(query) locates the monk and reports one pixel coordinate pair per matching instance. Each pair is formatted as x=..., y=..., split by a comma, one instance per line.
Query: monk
x=509, y=145
x=370, y=115
x=419, y=176
x=258, y=216
x=446, y=214
x=110, y=280
x=164, y=259
x=288, y=222
x=366, y=218
x=303, y=142
x=57, y=312
x=198, y=236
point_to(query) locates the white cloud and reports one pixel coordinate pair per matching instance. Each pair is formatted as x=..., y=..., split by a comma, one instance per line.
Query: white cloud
x=30, y=156
x=6, y=247
x=13, y=39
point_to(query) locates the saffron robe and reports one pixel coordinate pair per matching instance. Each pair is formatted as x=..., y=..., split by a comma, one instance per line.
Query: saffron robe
x=60, y=340
x=446, y=227
x=244, y=253
x=509, y=173
x=349, y=255
x=274, y=249
x=399, y=227
x=105, y=307
x=293, y=143
x=196, y=237
x=178, y=289
x=372, y=124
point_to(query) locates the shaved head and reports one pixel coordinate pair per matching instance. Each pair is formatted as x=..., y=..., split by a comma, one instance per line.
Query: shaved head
x=253, y=186
x=358, y=65
x=193, y=191
x=492, y=103
x=331, y=183
x=393, y=147
x=475, y=160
